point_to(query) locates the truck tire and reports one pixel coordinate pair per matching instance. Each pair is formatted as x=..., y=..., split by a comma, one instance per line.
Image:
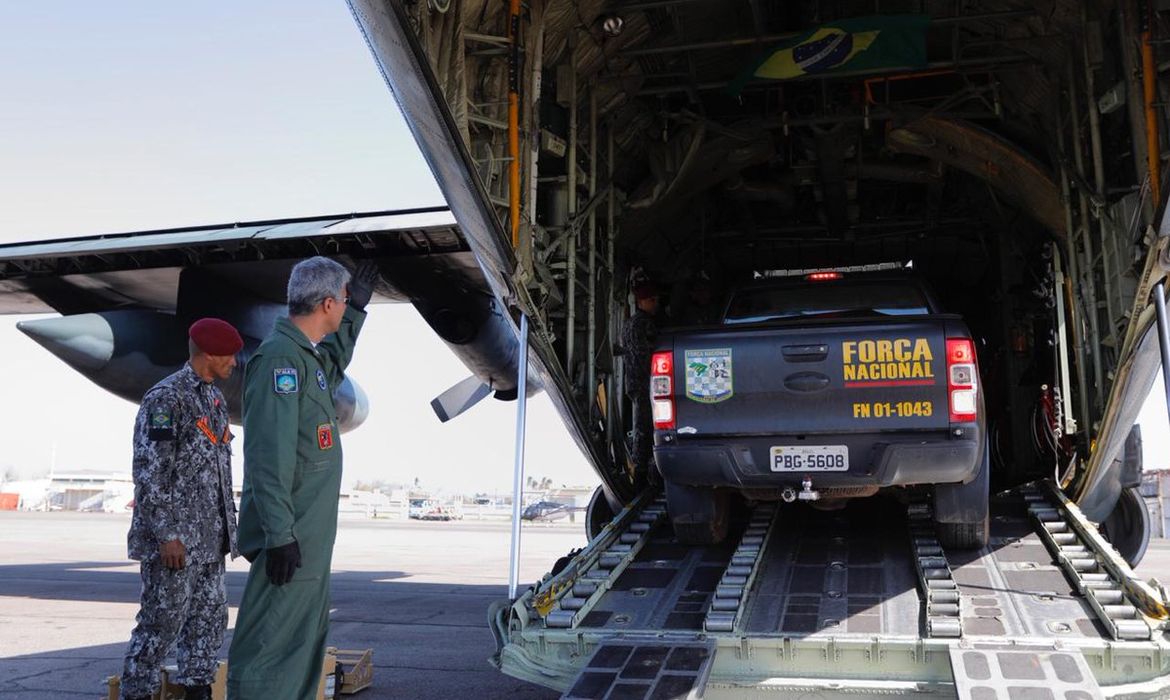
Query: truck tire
x=699, y=514
x=961, y=513
x=965, y=535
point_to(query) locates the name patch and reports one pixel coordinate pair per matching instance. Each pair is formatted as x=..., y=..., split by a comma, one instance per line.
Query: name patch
x=284, y=380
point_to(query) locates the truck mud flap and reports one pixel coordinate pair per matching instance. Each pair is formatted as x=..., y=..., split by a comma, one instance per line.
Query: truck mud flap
x=651, y=669
x=991, y=671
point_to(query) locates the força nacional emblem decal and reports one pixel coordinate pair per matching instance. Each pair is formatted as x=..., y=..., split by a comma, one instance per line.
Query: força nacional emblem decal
x=709, y=375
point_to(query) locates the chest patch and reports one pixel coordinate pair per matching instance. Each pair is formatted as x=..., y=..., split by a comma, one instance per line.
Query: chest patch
x=321, y=380
x=325, y=436
x=284, y=380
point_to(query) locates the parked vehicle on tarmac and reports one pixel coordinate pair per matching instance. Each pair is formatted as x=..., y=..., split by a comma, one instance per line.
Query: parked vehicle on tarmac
x=439, y=511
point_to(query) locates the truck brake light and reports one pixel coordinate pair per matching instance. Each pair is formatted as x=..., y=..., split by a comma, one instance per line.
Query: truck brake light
x=823, y=276
x=662, y=363
x=962, y=380
x=662, y=389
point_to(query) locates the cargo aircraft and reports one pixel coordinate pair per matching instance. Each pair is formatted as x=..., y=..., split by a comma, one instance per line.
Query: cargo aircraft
x=1010, y=150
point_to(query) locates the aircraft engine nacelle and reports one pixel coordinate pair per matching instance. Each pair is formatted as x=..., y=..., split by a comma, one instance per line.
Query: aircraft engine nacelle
x=127, y=352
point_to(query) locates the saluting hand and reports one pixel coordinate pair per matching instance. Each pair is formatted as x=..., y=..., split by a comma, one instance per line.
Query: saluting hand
x=361, y=284
x=173, y=554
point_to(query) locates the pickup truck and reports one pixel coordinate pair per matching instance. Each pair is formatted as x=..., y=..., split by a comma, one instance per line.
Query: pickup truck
x=822, y=387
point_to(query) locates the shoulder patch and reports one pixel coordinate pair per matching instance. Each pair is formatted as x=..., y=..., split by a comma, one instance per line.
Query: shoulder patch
x=284, y=380
x=161, y=418
x=161, y=427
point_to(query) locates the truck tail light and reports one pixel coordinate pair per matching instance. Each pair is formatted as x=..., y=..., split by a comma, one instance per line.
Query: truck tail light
x=662, y=390
x=962, y=380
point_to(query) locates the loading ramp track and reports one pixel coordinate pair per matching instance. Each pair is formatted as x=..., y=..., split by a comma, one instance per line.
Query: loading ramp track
x=798, y=600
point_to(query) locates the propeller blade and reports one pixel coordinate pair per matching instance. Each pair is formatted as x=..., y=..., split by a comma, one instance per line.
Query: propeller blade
x=459, y=398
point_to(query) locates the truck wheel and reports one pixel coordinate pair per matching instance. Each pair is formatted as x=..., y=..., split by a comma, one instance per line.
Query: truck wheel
x=961, y=510
x=965, y=535
x=699, y=514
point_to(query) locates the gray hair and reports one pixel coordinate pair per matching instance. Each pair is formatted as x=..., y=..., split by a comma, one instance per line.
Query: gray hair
x=313, y=281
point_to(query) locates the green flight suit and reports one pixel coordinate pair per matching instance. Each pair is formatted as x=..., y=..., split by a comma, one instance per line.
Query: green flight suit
x=292, y=481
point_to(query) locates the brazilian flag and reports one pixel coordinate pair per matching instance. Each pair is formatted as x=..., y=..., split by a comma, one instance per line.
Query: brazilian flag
x=854, y=44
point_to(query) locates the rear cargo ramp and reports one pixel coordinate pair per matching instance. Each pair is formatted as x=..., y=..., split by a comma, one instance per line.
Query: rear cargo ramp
x=832, y=604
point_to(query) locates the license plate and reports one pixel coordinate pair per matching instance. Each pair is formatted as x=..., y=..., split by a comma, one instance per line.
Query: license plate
x=810, y=458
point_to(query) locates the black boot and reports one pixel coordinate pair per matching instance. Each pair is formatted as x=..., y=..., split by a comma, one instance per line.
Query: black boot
x=198, y=692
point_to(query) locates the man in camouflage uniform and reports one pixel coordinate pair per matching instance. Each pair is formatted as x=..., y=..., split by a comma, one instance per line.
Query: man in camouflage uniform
x=292, y=481
x=638, y=335
x=184, y=517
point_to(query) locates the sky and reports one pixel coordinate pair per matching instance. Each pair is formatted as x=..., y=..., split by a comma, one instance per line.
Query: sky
x=143, y=115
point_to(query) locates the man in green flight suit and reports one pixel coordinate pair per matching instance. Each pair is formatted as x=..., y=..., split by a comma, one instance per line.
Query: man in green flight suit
x=292, y=480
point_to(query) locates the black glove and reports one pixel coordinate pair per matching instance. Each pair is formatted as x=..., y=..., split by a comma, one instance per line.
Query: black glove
x=282, y=562
x=361, y=284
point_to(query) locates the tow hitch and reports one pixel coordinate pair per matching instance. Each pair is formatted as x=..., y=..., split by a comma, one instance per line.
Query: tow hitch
x=806, y=491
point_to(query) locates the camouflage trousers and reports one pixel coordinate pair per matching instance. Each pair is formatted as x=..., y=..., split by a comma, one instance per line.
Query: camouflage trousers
x=642, y=425
x=186, y=606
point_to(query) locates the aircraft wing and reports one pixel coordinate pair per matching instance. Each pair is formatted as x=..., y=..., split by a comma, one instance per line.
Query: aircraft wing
x=142, y=269
x=129, y=289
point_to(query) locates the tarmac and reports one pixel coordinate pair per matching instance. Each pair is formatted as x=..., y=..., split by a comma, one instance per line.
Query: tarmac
x=414, y=592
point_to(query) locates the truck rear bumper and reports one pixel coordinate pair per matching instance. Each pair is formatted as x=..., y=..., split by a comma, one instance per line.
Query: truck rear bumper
x=886, y=462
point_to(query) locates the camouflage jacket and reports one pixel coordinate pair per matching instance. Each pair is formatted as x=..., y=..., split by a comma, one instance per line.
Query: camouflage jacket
x=638, y=336
x=183, y=471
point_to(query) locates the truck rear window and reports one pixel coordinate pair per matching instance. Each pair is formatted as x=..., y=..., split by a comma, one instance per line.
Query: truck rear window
x=826, y=299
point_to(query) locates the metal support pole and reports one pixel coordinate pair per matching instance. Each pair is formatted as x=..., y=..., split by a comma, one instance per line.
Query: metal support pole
x=518, y=471
x=1088, y=266
x=1107, y=267
x=591, y=344
x=1074, y=307
x=571, y=250
x=1063, y=362
x=532, y=126
x=1163, y=336
x=514, y=121
x=611, y=383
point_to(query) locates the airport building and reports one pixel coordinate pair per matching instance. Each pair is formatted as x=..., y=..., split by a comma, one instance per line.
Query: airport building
x=90, y=490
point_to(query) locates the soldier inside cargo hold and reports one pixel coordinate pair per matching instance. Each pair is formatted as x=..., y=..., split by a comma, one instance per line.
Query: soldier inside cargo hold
x=184, y=517
x=699, y=306
x=292, y=482
x=638, y=335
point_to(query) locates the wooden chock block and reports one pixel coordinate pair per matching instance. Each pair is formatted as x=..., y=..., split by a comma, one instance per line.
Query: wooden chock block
x=357, y=665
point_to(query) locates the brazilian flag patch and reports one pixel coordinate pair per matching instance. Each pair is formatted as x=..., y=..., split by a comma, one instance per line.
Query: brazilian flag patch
x=162, y=425
x=284, y=380
x=160, y=418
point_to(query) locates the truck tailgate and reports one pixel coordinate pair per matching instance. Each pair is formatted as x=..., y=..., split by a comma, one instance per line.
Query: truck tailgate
x=837, y=377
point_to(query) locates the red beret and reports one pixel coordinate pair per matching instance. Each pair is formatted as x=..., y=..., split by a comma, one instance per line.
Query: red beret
x=215, y=337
